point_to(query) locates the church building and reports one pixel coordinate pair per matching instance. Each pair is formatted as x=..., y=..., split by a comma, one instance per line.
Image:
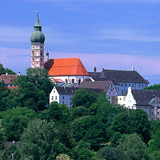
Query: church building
x=66, y=70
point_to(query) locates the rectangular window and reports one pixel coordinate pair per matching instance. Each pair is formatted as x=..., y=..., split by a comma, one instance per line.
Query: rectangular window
x=55, y=97
x=52, y=97
x=63, y=97
x=132, y=85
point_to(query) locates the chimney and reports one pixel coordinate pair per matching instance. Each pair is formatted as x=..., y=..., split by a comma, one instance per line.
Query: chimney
x=133, y=69
x=95, y=69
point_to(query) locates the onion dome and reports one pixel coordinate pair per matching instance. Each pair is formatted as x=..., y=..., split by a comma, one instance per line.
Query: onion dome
x=37, y=35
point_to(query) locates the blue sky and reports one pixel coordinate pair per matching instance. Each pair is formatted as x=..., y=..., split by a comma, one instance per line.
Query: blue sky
x=110, y=34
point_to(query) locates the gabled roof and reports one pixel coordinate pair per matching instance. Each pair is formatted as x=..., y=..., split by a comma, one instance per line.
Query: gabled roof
x=71, y=90
x=123, y=76
x=65, y=67
x=94, y=74
x=143, y=97
x=7, y=144
x=8, y=79
x=104, y=85
x=101, y=79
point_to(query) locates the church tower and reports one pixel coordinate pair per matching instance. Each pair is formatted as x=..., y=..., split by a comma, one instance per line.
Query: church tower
x=37, y=46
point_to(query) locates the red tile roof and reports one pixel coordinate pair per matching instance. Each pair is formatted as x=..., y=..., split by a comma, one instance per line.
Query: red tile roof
x=65, y=67
x=12, y=87
x=8, y=79
x=58, y=81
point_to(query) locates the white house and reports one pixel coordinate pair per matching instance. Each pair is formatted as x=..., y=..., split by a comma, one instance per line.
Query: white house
x=63, y=95
x=147, y=100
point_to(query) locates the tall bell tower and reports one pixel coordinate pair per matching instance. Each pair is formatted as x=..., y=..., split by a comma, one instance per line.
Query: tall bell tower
x=37, y=45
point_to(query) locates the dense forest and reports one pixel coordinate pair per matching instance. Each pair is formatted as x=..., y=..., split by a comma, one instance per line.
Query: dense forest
x=93, y=129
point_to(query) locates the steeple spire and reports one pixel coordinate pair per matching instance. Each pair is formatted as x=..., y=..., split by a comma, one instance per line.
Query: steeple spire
x=37, y=45
x=37, y=21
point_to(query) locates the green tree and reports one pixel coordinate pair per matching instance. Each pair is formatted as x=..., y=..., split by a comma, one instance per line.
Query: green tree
x=57, y=112
x=111, y=153
x=121, y=123
x=133, y=147
x=5, y=70
x=153, y=87
x=89, y=129
x=9, y=71
x=83, y=151
x=2, y=140
x=37, y=141
x=139, y=123
x=4, y=92
x=16, y=155
x=14, y=120
x=79, y=111
x=154, y=143
x=115, y=139
x=2, y=69
x=63, y=157
x=83, y=97
x=34, y=89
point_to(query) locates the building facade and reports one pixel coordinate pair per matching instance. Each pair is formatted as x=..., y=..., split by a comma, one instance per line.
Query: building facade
x=107, y=86
x=122, y=79
x=147, y=100
x=63, y=95
x=68, y=70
